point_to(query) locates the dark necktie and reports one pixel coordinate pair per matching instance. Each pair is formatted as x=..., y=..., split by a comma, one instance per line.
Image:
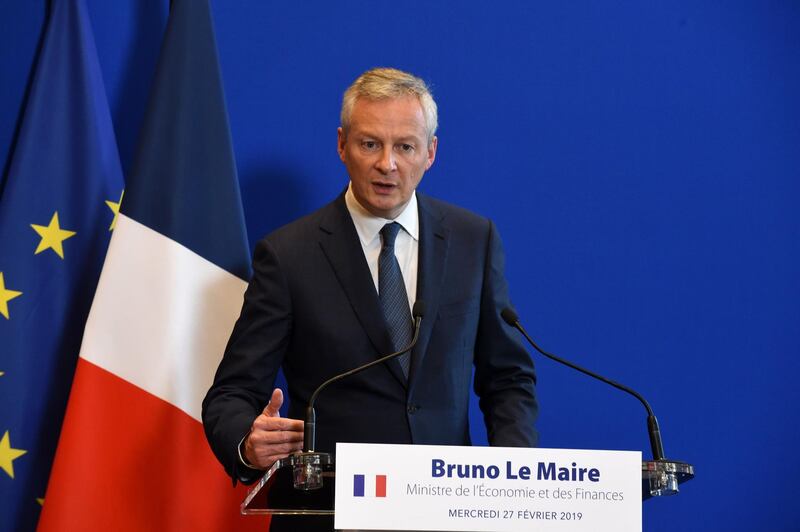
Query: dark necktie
x=392, y=293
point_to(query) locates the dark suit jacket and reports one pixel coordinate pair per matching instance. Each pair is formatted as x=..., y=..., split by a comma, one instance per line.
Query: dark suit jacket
x=312, y=308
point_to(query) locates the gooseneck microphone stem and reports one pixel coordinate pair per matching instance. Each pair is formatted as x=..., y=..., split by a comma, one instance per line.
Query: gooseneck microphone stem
x=310, y=427
x=653, y=430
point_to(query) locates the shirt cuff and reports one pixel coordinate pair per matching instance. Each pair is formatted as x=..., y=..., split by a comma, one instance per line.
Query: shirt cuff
x=242, y=460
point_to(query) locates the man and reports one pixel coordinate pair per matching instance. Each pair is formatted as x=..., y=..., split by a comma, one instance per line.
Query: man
x=334, y=290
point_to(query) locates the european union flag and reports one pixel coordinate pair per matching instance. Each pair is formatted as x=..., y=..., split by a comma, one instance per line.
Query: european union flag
x=58, y=205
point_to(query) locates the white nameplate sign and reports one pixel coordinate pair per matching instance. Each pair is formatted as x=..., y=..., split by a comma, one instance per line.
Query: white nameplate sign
x=433, y=487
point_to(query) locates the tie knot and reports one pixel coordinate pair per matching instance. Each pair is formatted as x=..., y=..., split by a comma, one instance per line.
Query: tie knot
x=389, y=234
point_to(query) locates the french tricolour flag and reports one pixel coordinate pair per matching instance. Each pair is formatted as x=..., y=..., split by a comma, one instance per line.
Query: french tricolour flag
x=132, y=454
x=367, y=485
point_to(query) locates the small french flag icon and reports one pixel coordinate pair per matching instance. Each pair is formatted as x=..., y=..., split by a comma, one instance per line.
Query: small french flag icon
x=359, y=485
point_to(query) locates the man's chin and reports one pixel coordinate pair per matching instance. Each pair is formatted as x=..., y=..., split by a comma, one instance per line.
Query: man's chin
x=388, y=209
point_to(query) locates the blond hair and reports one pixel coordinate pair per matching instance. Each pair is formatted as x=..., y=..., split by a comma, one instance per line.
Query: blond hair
x=385, y=83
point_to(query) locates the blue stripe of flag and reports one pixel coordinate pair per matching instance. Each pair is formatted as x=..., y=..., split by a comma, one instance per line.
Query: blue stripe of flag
x=358, y=485
x=184, y=183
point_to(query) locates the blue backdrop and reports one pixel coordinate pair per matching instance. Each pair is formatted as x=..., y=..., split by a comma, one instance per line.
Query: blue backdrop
x=641, y=160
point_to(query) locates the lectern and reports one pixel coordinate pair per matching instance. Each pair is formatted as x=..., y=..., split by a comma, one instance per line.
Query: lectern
x=276, y=492
x=470, y=488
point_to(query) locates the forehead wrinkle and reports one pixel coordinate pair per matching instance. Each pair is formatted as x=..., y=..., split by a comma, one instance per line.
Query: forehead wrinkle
x=398, y=132
x=387, y=122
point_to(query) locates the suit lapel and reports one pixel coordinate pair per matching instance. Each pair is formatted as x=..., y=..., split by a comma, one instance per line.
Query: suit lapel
x=433, y=243
x=342, y=247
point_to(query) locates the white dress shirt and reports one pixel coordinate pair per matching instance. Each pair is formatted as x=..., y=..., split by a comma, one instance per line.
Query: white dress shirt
x=406, y=247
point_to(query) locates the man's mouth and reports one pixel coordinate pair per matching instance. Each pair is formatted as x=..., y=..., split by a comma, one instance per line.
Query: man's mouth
x=383, y=187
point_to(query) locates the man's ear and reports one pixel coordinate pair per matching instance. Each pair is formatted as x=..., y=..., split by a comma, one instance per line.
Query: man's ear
x=432, y=152
x=341, y=139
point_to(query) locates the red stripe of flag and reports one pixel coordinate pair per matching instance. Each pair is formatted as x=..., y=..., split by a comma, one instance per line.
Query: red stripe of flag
x=380, y=485
x=129, y=461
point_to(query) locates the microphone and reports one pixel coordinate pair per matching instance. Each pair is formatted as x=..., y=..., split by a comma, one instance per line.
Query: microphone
x=663, y=481
x=307, y=475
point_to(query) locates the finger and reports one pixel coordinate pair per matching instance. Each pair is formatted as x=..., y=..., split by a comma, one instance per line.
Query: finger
x=278, y=453
x=275, y=402
x=264, y=423
x=262, y=437
x=262, y=453
x=282, y=449
x=266, y=456
x=278, y=437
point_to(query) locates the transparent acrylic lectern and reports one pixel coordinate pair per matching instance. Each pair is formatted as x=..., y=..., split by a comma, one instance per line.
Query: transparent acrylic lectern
x=277, y=492
x=301, y=484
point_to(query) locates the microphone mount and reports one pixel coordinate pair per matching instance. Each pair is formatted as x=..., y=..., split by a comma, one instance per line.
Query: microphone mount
x=663, y=475
x=308, y=464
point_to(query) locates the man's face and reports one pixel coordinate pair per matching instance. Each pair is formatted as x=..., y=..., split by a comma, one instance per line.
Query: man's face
x=386, y=152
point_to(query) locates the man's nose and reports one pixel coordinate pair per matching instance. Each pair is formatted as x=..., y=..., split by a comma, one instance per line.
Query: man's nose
x=386, y=162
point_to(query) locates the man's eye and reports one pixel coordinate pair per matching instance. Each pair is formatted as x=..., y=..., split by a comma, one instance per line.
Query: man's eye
x=369, y=144
x=408, y=148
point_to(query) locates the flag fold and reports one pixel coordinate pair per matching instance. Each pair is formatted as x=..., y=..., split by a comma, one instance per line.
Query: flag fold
x=132, y=454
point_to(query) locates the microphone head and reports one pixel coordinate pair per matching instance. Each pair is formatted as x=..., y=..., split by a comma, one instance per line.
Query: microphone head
x=418, y=311
x=509, y=316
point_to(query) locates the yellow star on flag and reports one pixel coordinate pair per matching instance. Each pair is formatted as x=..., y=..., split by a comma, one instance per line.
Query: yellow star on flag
x=40, y=501
x=52, y=236
x=8, y=454
x=115, y=209
x=6, y=295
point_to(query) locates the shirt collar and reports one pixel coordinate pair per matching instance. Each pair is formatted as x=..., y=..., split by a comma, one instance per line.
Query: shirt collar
x=368, y=225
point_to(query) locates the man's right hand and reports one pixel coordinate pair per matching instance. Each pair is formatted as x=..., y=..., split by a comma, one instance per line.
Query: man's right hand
x=271, y=436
